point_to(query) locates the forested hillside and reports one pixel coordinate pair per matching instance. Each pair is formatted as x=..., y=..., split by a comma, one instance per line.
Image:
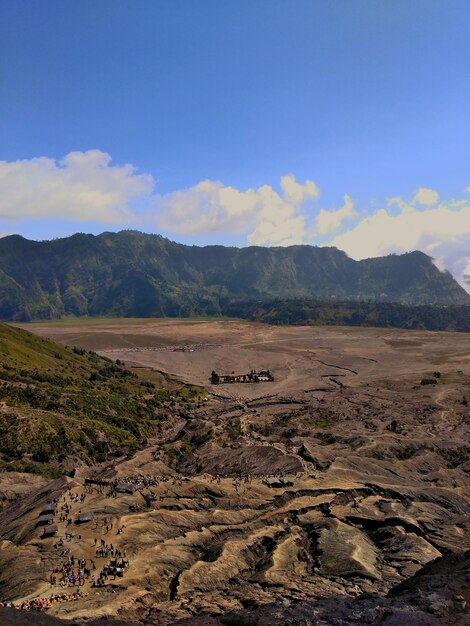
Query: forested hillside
x=134, y=274
x=65, y=406
x=379, y=314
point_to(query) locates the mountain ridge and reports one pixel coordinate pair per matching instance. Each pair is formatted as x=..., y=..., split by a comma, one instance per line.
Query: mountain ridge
x=143, y=275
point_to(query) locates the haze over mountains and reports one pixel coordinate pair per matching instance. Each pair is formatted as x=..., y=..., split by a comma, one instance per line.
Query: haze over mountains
x=135, y=274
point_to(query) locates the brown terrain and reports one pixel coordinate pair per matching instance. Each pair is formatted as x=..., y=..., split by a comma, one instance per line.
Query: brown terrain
x=337, y=494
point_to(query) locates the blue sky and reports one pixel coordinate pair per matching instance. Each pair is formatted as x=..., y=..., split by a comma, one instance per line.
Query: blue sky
x=204, y=121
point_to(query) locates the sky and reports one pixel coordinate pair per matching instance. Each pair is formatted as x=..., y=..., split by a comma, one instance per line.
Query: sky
x=240, y=122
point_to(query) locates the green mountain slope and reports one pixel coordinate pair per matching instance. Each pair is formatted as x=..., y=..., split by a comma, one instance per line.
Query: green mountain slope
x=134, y=274
x=60, y=406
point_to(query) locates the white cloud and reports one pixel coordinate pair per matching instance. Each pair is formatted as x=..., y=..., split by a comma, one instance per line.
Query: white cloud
x=295, y=192
x=264, y=215
x=329, y=221
x=81, y=186
x=206, y=207
x=279, y=222
x=395, y=202
x=426, y=197
x=442, y=231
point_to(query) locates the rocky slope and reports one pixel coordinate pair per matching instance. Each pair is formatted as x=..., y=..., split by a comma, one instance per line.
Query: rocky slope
x=346, y=502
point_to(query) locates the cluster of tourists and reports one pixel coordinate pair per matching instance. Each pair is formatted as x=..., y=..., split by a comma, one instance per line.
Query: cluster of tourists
x=71, y=571
x=106, y=549
x=70, y=576
x=115, y=567
x=141, y=480
x=43, y=604
x=74, y=572
x=76, y=497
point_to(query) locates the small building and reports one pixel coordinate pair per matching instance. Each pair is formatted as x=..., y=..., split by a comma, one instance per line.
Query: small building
x=124, y=488
x=84, y=517
x=273, y=483
x=45, y=519
x=48, y=509
x=49, y=531
x=263, y=376
x=94, y=481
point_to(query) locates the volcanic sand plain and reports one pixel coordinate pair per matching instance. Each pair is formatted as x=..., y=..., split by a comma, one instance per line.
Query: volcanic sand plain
x=299, y=357
x=344, y=477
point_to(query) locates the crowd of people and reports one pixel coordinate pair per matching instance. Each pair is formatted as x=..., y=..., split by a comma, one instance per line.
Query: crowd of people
x=43, y=604
x=105, y=549
x=115, y=567
x=141, y=480
x=72, y=571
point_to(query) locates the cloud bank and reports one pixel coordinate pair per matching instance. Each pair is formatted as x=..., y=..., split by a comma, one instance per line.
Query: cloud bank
x=268, y=218
x=81, y=186
x=441, y=231
x=87, y=187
